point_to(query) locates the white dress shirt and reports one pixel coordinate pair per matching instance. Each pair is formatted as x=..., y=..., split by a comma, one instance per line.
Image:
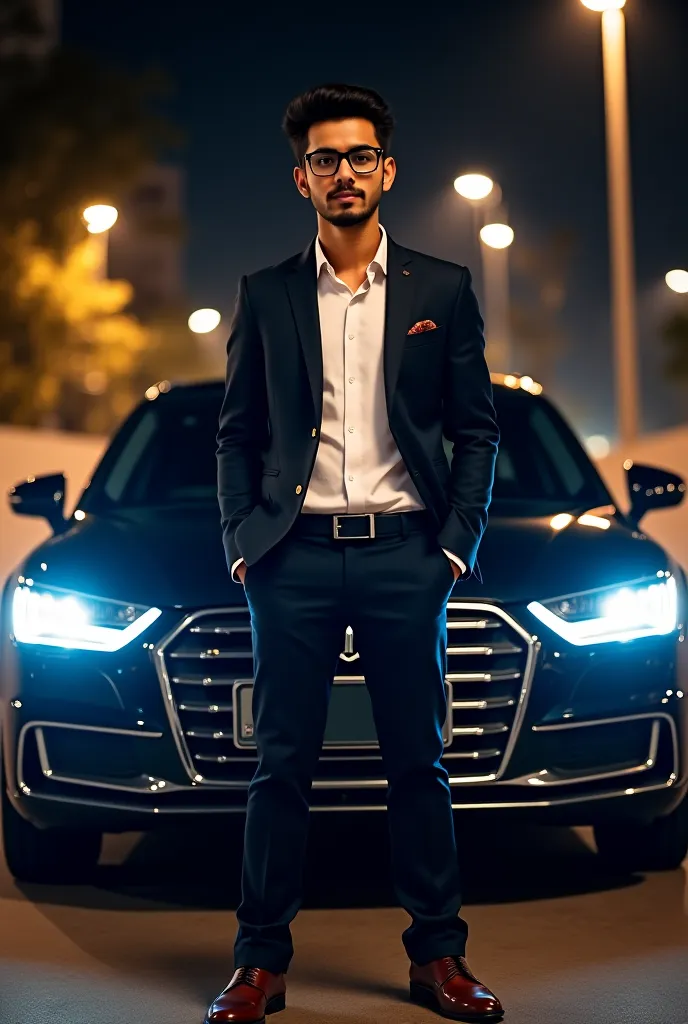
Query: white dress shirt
x=358, y=467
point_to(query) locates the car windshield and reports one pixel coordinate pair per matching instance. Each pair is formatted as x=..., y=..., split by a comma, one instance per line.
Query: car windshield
x=164, y=454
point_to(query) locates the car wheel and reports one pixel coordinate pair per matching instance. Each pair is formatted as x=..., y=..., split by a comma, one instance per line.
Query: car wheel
x=55, y=855
x=661, y=845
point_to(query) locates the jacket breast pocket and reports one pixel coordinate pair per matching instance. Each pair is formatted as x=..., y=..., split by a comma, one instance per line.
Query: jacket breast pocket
x=432, y=337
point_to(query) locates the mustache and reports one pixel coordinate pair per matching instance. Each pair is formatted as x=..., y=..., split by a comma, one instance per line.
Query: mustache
x=344, y=188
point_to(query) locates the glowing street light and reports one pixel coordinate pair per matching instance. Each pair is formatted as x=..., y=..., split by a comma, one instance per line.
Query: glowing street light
x=496, y=239
x=678, y=281
x=474, y=187
x=497, y=236
x=482, y=192
x=99, y=218
x=203, y=321
x=622, y=258
x=604, y=5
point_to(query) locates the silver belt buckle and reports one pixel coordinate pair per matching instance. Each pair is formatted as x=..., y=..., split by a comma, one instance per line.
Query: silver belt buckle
x=370, y=516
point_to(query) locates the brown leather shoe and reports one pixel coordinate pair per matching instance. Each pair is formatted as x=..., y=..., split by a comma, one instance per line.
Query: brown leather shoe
x=251, y=994
x=448, y=986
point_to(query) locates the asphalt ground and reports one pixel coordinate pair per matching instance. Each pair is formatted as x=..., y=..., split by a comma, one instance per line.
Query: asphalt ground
x=556, y=936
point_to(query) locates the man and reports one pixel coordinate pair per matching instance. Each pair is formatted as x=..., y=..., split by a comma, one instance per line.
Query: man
x=345, y=366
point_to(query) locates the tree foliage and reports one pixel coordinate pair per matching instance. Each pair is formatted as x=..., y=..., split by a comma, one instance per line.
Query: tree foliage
x=74, y=133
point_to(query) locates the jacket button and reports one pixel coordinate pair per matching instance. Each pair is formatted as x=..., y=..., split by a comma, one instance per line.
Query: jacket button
x=299, y=489
x=313, y=432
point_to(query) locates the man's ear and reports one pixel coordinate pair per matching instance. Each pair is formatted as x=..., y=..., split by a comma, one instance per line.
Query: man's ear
x=302, y=182
x=389, y=173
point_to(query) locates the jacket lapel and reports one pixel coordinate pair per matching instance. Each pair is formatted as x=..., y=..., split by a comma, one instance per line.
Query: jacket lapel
x=303, y=296
x=401, y=287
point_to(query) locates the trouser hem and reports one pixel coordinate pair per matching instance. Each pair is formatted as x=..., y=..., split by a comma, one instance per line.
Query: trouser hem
x=426, y=954
x=254, y=956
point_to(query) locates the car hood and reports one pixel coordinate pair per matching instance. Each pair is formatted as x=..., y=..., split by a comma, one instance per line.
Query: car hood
x=174, y=557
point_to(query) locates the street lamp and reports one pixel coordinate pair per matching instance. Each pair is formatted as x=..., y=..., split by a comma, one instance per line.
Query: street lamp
x=604, y=5
x=678, y=281
x=99, y=219
x=474, y=187
x=495, y=241
x=497, y=236
x=622, y=258
x=482, y=192
x=203, y=321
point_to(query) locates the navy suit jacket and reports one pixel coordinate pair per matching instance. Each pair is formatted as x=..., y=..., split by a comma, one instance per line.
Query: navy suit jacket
x=437, y=384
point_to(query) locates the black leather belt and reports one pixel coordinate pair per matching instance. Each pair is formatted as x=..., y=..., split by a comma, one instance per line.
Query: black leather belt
x=362, y=526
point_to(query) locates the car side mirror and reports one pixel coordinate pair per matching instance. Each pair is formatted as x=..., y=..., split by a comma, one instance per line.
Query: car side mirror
x=41, y=496
x=650, y=487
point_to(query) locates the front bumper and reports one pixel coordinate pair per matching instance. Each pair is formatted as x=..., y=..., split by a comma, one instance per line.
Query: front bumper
x=533, y=728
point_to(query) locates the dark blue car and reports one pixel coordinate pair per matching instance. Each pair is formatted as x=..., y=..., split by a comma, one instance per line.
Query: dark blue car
x=126, y=654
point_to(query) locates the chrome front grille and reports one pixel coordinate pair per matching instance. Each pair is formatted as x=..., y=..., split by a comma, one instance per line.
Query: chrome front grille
x=489, y=666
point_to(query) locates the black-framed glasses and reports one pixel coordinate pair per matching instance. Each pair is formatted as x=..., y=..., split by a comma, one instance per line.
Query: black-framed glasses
x=361, y=160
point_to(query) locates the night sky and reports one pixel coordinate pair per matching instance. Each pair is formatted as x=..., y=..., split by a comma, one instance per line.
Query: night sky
x=512, y=86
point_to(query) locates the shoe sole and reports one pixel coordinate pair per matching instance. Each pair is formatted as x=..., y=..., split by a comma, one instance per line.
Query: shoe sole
x=274, y=1005
x=424, y=996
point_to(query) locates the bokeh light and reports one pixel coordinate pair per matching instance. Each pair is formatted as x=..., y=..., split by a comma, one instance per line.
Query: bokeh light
x=678, y=281
x=474, y=186
x=497, y=236
x=204, y=320
x=604, y=5
x=100, y=218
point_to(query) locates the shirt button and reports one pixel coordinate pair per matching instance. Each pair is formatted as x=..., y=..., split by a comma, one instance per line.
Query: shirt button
x=299, y=489
x=351, y=430
x=351, y=380
x=351, y=337
x=350, y=478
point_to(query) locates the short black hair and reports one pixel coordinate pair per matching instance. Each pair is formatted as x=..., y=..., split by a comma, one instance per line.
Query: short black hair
x=333, y=102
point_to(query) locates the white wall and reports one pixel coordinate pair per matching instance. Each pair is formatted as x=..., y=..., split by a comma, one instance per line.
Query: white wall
x=667, y=449
x=25, y=453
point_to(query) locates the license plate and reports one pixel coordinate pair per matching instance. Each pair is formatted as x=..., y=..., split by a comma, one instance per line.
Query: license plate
x=350, y=723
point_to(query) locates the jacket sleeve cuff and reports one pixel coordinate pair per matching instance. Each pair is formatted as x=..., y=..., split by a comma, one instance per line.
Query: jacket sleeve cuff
x=234, y=566
x=455, y=558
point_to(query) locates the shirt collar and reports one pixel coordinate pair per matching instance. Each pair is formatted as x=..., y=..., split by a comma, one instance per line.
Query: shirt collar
x=379, y=260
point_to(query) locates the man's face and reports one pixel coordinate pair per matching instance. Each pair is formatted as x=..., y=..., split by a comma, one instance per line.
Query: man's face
x=344, y=198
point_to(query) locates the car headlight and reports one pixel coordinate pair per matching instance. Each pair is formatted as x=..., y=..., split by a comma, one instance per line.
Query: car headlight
x=62, y=618
x=612, y=613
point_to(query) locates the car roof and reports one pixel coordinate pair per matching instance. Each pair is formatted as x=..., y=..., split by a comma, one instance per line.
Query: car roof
x=183, y=389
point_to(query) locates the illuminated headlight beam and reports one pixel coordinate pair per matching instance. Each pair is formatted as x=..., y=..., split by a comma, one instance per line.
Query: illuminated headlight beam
x=55, y=618
x=623, y=613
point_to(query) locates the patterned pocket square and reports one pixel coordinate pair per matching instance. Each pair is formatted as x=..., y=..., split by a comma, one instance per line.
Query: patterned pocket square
x=422, y=326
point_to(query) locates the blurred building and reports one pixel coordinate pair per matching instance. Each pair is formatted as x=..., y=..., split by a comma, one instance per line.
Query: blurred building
x=29, y=28
x=146, y=244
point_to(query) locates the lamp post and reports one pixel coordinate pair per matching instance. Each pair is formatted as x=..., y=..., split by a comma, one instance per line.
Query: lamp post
x=99, y=219
x=622, y=260
x=495, y=240
x=205, y=324
x=479, y=191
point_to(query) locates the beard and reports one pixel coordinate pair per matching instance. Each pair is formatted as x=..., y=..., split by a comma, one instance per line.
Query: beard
x=350, y=218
